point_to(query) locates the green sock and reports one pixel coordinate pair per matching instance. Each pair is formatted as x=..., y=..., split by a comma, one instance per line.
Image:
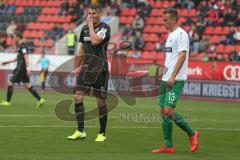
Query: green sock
x=167, y=130
x=181, y=123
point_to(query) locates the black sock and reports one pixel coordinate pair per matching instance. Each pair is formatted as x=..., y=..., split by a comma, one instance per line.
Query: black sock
x=102, y=118
x=43, y=85
x=79, y=110
x=34, y=93
x=9, y=93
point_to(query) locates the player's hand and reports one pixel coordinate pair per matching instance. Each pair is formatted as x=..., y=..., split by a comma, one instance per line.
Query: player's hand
x=76, y=71
x=89, y=21
x=170, y=82
x=4, y=63
x=29, y=73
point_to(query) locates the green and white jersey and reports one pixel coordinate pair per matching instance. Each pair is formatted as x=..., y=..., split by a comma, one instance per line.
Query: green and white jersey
x=177, y=41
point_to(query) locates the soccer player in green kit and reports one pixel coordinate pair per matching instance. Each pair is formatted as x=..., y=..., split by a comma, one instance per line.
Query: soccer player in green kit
x=176, y=63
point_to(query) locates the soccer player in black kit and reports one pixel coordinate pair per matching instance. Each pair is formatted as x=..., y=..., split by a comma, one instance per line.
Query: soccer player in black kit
x=92, y=71
x=21, y=73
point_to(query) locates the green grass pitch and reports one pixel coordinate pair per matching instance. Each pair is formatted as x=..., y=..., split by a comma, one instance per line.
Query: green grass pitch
x=27, y=133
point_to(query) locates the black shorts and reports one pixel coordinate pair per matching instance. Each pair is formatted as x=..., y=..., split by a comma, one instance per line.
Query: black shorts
x=19, y=75
x=97, y=82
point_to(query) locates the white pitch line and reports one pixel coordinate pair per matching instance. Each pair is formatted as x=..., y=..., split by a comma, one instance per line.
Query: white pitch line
x=116, y=127
x=121, y=118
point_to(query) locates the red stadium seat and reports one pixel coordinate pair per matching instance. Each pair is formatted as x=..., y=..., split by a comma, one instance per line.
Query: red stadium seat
x=148, y=29
x=159, y=20
x=165, y=4
x=220, y=49
x=157, y=4
x=149, y=47
x=19, y=10
x=36, y=42
x=186, y=28
x=133, y=12
x=183, y=12
x=192, y=13
x=238, y=48
x=209, y=30
x=156, y=29
x=48, y=43
x=161, y=56
x=151, y=20
x=125, y=11
x=217, y=30
x=156, y=12
x=214, y=39
x=225, y=30
x=31, y=25
x=228, y=49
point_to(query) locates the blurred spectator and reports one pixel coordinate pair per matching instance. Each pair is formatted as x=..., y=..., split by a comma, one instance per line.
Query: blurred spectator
x=127, y=31
x=138, y=42
x=8, y=8
x=20, y=27
x=115, y=8
x=56, y=32
x=212, y=17
x=201, y=25
x=42, y=41
x=184, y=4
x=73, y=10
x=3, y=43
x=194, y=39
x=203, y=8
x=203, y=44
x=11, y=28
x=159, y=46
x=1, y=7
x=229, y=37
x=230, y=18
x=71, y=41
x=138, y=23
x=64, y=8
x=129, y=3
x=236, y=36
x=233, y=56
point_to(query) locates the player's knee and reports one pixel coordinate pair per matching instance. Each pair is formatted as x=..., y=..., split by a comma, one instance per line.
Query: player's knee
x=162, y=111
x=168, y=111
x=10, y=83
x=101, y=102
x=27, y=85
x=78, y=98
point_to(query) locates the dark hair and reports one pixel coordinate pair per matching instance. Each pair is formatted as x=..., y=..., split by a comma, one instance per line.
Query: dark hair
x=19, y=35
x=95, y=7
x=172, y=11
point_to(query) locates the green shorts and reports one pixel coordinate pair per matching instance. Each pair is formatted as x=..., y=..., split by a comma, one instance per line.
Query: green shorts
x=169, y=96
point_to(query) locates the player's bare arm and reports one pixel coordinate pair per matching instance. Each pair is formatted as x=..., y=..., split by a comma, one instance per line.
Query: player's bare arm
x=11, y=61
x=178, y=66
x=79, y=58
x=26, y=57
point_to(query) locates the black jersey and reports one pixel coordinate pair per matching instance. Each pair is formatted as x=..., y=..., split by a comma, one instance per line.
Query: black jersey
x=22, y=50
x=95, y=56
